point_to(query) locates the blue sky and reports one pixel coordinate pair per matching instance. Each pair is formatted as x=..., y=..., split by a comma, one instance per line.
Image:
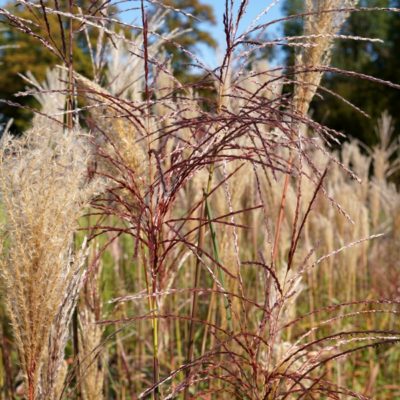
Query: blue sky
x=255, y=7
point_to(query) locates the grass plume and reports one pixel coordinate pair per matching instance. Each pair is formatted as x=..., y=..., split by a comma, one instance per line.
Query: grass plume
x=44, y=190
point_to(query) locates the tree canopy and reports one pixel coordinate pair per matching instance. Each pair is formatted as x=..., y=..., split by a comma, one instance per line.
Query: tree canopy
x=21, y=53
x=376, y=59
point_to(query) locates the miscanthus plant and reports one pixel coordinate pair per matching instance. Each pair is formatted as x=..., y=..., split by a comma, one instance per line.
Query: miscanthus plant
x=228, y=257
x=44, y=189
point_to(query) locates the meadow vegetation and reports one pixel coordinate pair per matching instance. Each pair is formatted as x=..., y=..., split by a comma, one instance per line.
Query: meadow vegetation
x=160, y=243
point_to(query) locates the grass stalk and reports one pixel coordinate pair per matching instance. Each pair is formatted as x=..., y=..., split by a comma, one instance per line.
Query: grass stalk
x=156, y=362
x=217, y=259
x=193, y=313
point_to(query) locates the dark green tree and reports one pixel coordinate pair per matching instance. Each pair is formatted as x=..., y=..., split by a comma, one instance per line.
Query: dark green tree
x=293, y=26
x=375, y=59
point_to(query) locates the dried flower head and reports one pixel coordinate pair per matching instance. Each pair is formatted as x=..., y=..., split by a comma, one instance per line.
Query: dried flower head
x=43, y=183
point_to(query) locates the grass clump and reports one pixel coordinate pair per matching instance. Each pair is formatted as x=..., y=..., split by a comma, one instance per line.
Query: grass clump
x=231, y=251
x=44, y=190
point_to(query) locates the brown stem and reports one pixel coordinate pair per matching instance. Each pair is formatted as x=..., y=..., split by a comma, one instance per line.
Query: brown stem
x=31, y=383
